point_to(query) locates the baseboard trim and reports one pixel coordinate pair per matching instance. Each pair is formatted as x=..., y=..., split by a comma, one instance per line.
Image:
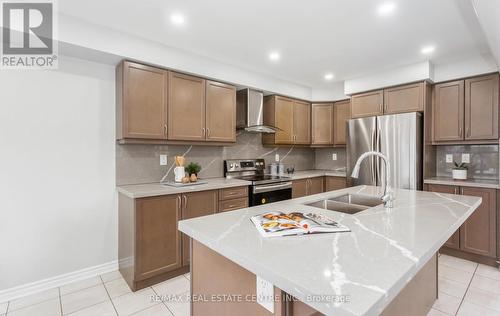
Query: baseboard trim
x=60, y=280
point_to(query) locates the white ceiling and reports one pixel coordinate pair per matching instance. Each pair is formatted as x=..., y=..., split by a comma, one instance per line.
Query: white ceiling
x=345, y=37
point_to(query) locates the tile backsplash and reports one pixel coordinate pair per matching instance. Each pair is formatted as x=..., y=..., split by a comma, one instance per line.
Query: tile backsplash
x=141, y=163
x=484, y=163
x=323, y=159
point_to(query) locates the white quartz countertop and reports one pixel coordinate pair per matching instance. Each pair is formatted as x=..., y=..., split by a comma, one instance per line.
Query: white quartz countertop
x=478, y=183
x=371, y=264
x=304, y=174
x=135, y=191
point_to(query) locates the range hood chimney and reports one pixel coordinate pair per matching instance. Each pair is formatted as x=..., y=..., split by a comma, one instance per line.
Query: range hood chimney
x=249, y=112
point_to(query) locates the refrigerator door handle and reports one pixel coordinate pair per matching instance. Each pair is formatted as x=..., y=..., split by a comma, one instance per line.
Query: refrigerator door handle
x=373, y=162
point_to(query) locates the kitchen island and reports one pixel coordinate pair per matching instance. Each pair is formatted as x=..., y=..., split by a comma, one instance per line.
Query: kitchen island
x=386, y=265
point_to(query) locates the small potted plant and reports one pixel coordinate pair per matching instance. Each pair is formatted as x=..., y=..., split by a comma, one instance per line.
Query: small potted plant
x=193, y=168
x=459, y=171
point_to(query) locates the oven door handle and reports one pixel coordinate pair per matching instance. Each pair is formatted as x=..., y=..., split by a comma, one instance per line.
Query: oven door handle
x=272, y=187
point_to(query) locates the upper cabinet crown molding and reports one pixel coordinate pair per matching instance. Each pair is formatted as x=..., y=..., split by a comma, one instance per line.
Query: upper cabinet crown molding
x=466, y=111
x=159, y=106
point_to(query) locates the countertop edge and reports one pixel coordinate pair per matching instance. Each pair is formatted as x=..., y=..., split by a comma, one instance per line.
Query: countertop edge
x=463, y=183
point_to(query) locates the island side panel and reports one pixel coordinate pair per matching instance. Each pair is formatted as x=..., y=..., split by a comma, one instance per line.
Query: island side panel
x=418, y=296
x=126, y=238
x=213, y=274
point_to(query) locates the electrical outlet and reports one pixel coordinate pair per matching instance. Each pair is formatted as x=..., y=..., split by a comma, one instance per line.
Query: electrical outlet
x=277, y=157
x=334, y=156
x=449, y=158
x=163, y=160
x=466, y=158
x=265, y=294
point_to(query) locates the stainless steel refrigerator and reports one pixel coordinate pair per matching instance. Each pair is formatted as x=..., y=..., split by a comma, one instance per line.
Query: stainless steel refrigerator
x=397, y=136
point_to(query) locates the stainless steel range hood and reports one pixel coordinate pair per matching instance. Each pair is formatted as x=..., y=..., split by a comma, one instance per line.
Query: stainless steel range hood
x=249, y=112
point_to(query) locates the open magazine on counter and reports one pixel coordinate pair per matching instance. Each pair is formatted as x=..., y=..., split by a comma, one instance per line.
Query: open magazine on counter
x=275, y=223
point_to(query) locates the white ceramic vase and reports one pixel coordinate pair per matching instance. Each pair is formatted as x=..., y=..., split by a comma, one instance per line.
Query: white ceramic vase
x=459, y=174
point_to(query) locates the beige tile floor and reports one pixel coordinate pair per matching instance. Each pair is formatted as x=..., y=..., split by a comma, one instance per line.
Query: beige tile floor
x=465, y=289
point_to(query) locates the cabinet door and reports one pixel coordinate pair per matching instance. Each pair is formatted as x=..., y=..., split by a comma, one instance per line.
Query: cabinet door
x=302, y=122
x=448, y=111
x=196, y=204
x=141, y=101
x=221, y=112
x=407, y=98
x=481, y=107
x=284, y=109
x=341, y=114
x=367, y=104
x=186, y=107
x=322, y=124
x=478, y=233
x=335, y=183
x=299, y=188
x=316, y=185
x=454, y=241
x=158, y=242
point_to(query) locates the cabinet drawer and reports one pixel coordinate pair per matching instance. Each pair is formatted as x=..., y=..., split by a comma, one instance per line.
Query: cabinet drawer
x=233, y=204
x=232, y=193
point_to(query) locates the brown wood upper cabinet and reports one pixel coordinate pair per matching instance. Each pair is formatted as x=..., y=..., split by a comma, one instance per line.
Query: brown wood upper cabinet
x=322, y=125
x=186, y=107
x=158, y=242
x=466, y=110
x=156, y=104
x=341, y=114
x=196, y=204
x=481, y=107
x=141, y=101
x=407, y=98
x=292, y=117
x=220, y=112
x=367, y=104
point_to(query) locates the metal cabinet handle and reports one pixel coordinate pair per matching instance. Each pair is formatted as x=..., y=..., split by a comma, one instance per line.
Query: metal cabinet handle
x=462, y=191
x=460, y=131
x=455, y=190
x=165, y=129
x=468, y=132
x=203, y=132
x=179, y=202
x=208, y=132
x=185, y=200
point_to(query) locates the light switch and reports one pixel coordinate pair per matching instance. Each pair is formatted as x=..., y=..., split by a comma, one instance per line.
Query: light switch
x=163, y=160
x=277, y=157
x=334, y=156
x=265, y=294
x=466, y=158
x=449, y=158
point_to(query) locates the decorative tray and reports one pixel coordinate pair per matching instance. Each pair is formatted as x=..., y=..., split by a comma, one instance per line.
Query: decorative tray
x=180, y=184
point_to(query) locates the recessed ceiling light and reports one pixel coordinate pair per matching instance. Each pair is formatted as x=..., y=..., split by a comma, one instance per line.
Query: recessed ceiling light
x=428, y=49
x=274, y=56
x=177, y=18
x=329, y=76
x=386, y=8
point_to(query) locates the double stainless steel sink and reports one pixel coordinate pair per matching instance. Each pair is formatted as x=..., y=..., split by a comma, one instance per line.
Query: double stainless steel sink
x=347, y=203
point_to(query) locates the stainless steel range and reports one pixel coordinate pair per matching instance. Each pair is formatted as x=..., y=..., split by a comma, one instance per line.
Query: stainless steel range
x=265, y=188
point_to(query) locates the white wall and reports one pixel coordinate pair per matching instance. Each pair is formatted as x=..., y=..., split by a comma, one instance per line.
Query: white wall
x=334, y=92
x=471, y=66
x=76, y=33
x=391, y=77
x=57, y=171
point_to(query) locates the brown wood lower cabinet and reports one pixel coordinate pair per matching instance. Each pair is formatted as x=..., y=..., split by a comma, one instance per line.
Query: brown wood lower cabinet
x=335, y=183
x=196, y=204
x=150, y=247
x=310, y=186
x=157, y=239
x=478, y=235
